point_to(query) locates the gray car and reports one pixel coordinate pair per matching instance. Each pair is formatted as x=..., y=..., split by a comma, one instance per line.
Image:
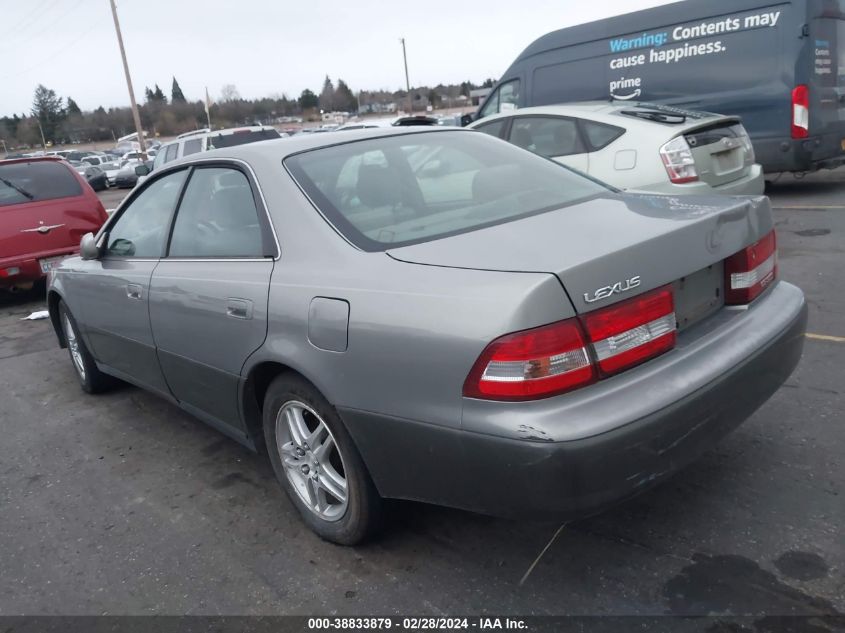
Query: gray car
x=435, y=315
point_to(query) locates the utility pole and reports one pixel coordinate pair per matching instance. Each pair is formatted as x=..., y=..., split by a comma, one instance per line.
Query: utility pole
x=41, y=129
x=407, y=81
x=142, y=145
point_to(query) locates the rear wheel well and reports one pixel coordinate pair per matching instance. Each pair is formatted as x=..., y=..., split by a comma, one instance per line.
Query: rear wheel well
x=255, y=388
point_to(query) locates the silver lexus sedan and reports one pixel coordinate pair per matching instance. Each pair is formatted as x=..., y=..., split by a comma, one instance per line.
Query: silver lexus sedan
x=437, y=315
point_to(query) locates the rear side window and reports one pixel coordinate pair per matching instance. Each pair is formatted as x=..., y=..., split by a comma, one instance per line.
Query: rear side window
x=241, y=138
x=39, y=180
x=494, y=128
x=192, y=147
x=217, y=217
x=600, y=135
x=547, y=136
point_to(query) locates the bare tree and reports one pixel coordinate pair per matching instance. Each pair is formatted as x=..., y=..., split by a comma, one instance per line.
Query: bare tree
x=229, y=93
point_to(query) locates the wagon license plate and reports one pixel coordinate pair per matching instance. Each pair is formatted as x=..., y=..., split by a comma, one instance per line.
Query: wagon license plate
x=49, y=263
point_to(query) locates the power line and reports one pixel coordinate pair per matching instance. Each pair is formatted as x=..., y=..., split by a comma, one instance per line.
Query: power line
x=19, y=32
x=52, y=56
x=46, y=28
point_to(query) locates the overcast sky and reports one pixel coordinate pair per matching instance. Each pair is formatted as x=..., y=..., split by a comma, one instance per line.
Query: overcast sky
x=267, y=47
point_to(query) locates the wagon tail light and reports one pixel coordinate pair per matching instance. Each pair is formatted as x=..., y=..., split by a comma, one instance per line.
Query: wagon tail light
x=750, y=271
x=563, y=356
x=800, y=112
x=679, y=162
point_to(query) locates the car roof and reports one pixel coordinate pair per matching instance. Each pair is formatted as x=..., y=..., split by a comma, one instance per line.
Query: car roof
x=279, y=149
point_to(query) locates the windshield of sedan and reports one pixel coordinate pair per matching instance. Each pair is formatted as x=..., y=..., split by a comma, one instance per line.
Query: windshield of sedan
x=394, y=191
x=38, y=180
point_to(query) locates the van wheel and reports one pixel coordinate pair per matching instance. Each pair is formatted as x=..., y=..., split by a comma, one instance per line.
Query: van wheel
x=91, y=379
x=317, y=464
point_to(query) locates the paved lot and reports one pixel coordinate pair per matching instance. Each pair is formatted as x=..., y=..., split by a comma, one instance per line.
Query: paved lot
x=123, y=504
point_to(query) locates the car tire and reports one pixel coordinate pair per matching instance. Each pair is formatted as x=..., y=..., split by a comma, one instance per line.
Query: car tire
x=311, y=474
x=91, y=379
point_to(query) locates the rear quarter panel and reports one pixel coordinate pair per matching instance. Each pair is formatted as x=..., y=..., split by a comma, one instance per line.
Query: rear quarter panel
x=414, y=330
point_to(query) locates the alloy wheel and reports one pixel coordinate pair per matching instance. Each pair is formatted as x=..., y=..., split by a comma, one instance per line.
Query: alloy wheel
x=73, y=346
x=313, y=464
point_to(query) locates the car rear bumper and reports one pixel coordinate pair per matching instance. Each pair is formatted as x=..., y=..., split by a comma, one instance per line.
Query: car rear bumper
x=28, y=267
x=627, y=434
x=752, y=184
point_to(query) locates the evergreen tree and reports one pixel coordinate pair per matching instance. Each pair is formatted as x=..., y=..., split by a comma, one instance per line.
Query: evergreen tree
x=48, y=108
x=72, y=107
x=308, y=100
x=176, y=95
x=327, y=95
x=159, y=95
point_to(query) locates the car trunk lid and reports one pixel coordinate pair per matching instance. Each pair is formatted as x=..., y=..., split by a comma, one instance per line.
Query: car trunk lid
x=613, y=247
x=722, y=151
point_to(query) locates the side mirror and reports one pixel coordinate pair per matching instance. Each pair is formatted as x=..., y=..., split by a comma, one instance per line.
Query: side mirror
x=141, y=170
x=466, y=119
x=88, y=247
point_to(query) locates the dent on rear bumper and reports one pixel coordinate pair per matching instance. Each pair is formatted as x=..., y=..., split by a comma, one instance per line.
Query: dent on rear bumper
x=622, y=437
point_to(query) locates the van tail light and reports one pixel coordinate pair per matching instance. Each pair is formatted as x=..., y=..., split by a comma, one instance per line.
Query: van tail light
x=800, y=111
x=632, y=331
x=750, y=271
x=679, y=162
x=532, y=364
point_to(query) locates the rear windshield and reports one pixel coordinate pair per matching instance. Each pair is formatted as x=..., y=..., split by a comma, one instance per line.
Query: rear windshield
x=41, y=180
x=241, y=138
x=399, y=190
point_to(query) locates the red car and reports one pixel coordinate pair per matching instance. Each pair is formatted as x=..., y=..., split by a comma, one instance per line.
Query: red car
x=45, y=209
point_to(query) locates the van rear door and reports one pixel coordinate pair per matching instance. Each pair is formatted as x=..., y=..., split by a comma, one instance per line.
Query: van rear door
x=827, y=83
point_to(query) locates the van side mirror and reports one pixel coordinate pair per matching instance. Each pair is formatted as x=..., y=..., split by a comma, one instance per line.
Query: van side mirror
x=142, y=170
x=466, y=119
x=88, y=247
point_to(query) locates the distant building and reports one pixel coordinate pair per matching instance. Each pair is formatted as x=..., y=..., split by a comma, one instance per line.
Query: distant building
x=478, y=95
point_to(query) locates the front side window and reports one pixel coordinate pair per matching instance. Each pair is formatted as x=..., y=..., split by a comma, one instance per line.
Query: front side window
x=38, y=180
x=394, y=191
x=547, y=136
x=141, y=229
x=505, y=97
x=217, y=217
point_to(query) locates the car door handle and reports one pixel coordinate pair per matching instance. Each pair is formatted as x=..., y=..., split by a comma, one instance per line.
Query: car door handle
x=134, y=291
x=239, y=308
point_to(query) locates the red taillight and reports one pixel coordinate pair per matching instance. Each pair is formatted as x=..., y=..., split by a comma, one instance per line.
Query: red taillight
x=532, y=364
x=800, y=111
x=553, y=359
x=750, y=271
x=633, y=331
